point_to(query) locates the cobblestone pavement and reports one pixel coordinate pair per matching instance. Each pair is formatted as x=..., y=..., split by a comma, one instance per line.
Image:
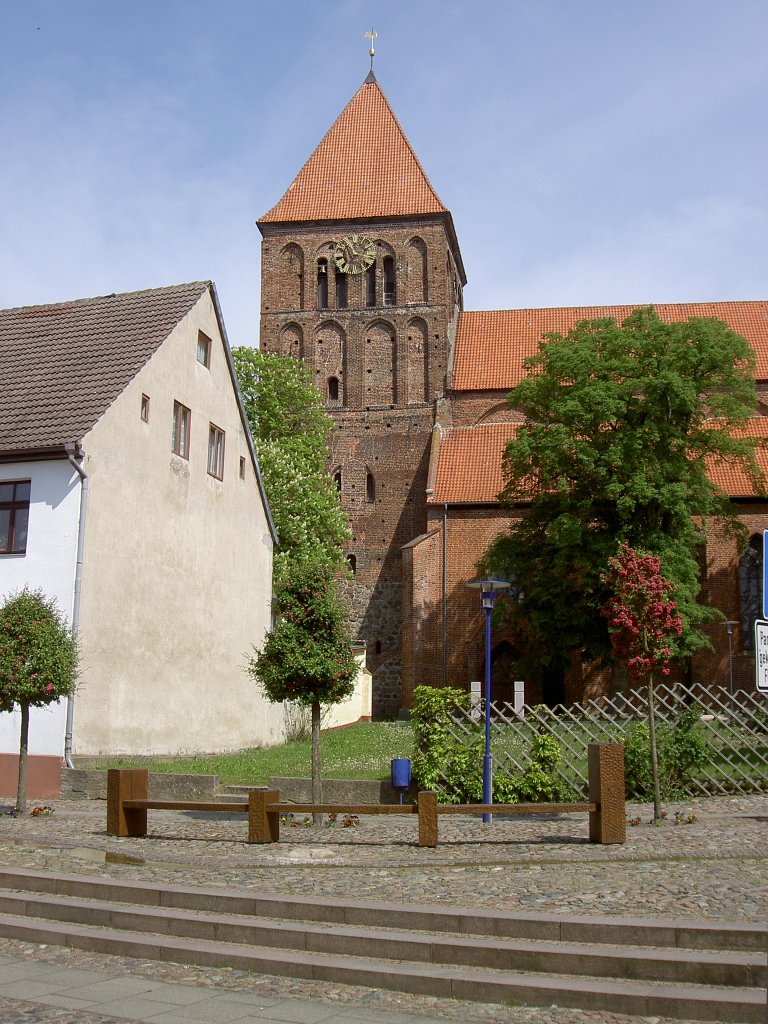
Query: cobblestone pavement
x=713, y=865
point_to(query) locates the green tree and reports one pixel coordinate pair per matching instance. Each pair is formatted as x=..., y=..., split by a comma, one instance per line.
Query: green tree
x=307, y=657
x=290, y=431
x=622, y=421
x=38, y=663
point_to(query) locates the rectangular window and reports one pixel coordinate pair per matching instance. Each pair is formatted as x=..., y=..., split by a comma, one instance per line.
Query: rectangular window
x=14, y=516
x=145, y=408
x=203, y=349
x=216, y=452
x=181, y=423
x=242, y=468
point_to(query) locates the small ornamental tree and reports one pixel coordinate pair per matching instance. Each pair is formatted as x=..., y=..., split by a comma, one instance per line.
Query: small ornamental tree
x=644, y=627
x=38, y=663
x=307, y=657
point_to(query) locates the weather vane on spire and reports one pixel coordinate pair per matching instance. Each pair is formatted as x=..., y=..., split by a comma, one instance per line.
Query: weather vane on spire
x=372, y=52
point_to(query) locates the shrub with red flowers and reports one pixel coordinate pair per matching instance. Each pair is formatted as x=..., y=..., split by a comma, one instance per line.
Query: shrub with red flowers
x=643, y=621
x=38, y=663
x=643, y=624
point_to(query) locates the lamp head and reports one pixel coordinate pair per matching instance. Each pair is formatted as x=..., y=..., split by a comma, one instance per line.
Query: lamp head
x=489, y=591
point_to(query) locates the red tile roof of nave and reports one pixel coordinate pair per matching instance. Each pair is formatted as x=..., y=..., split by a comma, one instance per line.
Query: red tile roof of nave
x=491, y=345
x=732, y=479
x=364, y=167
x=469, y=465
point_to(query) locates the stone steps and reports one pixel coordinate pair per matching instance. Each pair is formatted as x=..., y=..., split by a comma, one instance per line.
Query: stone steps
x=676, y=969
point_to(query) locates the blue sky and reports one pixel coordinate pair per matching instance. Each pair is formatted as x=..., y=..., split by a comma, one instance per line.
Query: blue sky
x=591, y=151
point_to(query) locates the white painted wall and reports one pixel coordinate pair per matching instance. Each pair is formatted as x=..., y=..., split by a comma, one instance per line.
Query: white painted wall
x=177, y=569
x=48, y=564
x=358, y=705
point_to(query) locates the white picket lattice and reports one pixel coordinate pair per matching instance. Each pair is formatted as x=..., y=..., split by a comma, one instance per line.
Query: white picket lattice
x=735, y=727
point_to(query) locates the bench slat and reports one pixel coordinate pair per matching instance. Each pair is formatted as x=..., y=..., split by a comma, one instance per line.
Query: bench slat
x=344, y=808
x=185, y=805
x=513, y=808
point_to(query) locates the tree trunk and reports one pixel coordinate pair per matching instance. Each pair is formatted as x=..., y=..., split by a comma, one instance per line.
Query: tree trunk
x=317, y=786
x=21, y=792
x=654, y=752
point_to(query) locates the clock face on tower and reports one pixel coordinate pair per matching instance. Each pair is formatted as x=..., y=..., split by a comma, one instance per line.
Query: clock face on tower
x=354, y=254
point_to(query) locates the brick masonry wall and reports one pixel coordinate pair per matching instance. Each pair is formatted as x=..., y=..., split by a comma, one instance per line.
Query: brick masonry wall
x=470, y=531
x=721, y=589
x=381, y=369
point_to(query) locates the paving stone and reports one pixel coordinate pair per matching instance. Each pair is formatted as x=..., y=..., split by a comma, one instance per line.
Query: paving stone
x=712, y=870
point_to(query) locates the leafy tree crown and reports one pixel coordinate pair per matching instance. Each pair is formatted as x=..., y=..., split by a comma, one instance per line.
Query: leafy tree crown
x=307, y=657
x=622, y=423
x=38, y=654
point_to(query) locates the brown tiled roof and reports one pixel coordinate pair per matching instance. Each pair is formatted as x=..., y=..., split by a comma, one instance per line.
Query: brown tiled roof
x=469, y=464
x=732, y=479
x=364, y=167
x=62, y=365
x=491, y=345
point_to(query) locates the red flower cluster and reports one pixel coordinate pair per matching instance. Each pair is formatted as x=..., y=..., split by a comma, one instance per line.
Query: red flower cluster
x=642, y=620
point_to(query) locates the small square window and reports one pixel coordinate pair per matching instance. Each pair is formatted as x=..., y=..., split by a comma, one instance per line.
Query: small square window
x=242, y=468
x=182, y=418
x=216, y=452
x=145, y=408
x=203, y=349
x=14, y=516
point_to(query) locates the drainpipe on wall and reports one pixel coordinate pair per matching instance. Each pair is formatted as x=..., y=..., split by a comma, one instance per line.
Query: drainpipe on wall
x=445, y=594
x=75, y=452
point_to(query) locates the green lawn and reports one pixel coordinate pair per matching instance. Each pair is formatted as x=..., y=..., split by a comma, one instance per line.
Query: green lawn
x=361, y=751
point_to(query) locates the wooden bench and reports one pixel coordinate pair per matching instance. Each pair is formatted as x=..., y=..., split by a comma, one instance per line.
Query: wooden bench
x=128, y=803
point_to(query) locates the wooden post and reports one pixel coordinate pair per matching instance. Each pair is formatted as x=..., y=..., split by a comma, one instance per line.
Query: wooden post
x=427, y=819
x=606, y=789
x=126, y=784
x=263, y=824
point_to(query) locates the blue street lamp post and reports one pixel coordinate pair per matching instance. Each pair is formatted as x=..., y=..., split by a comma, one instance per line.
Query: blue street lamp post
x=489, y=591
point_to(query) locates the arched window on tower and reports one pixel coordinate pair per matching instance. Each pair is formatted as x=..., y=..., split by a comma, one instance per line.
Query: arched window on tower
x=370, y=487
x=322, y=284
x=750, y=590
x=390, y=294
x=370, y=285
x=341, y=290
x=337, y=480
x=333, y=389
x=352, y=563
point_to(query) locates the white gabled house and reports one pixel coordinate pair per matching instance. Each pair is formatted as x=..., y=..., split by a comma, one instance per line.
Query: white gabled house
x=130, y=492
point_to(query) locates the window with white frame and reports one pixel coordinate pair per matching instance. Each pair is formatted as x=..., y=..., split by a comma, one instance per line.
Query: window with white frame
x=216, y=452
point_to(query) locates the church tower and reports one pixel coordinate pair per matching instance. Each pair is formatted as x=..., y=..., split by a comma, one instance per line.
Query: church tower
x=362, y=279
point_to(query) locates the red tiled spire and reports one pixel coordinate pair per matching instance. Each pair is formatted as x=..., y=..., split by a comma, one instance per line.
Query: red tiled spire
x=363, y=168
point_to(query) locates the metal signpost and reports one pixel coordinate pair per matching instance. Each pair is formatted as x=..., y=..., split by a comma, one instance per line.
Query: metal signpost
x=761, y=655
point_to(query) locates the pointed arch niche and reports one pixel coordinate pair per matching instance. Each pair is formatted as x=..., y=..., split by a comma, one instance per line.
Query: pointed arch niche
x=416, y=349
x=291, y=341
x=292, y=277
x=416, y=261
x=331, y=362
x=379, y=365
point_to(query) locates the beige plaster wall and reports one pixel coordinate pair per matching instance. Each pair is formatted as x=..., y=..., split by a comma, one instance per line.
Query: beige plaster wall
x=177, y=569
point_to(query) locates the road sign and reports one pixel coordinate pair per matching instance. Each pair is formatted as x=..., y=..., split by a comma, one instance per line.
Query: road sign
x=765, y=574
x=761, y=655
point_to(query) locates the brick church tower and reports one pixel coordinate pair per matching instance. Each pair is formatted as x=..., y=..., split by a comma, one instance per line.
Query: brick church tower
x=362, y=279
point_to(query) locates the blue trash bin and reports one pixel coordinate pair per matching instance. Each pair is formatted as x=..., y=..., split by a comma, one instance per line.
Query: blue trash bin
x=401, y=775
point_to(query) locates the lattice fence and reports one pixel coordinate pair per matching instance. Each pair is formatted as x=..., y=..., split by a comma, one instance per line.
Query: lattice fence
x=735, y=728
